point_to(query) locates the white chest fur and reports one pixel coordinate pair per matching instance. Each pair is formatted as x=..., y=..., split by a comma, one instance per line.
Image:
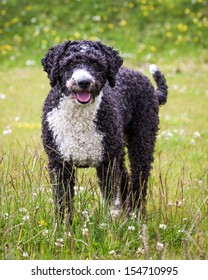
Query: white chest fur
x=75, y=133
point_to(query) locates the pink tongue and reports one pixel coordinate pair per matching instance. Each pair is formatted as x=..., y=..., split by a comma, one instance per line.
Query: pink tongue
x=83, y=97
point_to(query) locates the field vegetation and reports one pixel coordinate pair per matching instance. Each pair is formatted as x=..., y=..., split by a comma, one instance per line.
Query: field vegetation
x=171, y=34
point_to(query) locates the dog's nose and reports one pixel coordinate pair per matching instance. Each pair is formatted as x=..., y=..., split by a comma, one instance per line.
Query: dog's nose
x=84, y=82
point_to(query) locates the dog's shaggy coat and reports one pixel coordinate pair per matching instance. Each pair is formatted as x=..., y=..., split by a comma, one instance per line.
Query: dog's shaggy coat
x=93, y=111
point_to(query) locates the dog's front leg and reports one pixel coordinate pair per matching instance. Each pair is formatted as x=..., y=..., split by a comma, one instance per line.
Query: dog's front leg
x=107, y=181
x=113, y=183
x=63, y=180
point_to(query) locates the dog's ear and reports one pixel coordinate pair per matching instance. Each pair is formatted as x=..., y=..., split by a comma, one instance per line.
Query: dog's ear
x=114, y=61
x=51, y=60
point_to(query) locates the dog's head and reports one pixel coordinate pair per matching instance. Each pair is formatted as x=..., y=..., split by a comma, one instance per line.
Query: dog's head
x=81, y=68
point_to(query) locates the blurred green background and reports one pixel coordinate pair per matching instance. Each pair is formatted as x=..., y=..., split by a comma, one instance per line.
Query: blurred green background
x=142, y=30
x=172, y=34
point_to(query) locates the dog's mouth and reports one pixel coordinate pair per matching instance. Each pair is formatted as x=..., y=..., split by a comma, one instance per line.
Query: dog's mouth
x=83, y=97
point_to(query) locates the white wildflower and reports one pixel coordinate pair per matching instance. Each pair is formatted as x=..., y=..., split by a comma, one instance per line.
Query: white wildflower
x=112, y=252
x=17, y=118
x=197, y=134
x=85, y=231
x=175, y=87
x=2, y=96
x=159, y=246
x=148, y=57
x=34, y=195
x=23, y=210
x=78, y=189
x=140, y=251
x=33, y=20
x=59, y=242
x=167, y=118
x=67, y=234
x=162, y=226
x=169, y=204
x=41, y=188
x=132, y=228
x=179, y=203
x=7, y=131
x=182, y=132
x=141, y=237
x=166, y=134
x=30, y=62
x=25, y=254
x=45, y=233
x=96, y=18
x=133, y=215
x=114, y=213
x=192, y=142
x=103, y=225
x=26, y=218
x=85, y=213
x=201, y=183
x=183, y=89
x=6, y=216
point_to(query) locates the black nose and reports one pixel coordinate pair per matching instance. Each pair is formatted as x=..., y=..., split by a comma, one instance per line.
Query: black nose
x=84, y=83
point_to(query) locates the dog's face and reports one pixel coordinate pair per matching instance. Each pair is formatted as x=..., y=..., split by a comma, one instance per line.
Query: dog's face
x=81, y=68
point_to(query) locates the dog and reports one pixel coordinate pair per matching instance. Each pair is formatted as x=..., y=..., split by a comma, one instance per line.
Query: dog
x=93, y=112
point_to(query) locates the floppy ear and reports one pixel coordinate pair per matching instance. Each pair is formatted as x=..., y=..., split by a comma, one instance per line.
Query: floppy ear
x=50, y=61
x=114, y=63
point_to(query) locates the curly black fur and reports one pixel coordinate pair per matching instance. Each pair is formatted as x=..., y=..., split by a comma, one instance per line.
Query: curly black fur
x=126, y=117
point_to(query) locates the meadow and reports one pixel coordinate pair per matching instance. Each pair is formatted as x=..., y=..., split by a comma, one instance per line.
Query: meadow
x=177, y=204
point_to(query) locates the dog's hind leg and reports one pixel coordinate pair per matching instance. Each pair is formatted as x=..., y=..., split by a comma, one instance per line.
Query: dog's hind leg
x=63, y=180
x=140, y=150
x=140, y=164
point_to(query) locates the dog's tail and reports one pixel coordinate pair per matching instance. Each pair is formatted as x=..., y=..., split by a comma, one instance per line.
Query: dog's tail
x=162, y=88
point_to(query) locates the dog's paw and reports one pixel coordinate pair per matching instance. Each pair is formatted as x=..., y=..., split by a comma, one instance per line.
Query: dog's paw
x=153, y=69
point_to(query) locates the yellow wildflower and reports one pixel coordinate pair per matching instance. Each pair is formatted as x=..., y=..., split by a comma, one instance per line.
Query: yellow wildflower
x=123, y=22
x=153, y=48
x=131, y=5
x=101, y=29
x=53, y=32
x=3, y=12
x=77, y=35
x=187, y=11
x=110, y=25
x=42, y=223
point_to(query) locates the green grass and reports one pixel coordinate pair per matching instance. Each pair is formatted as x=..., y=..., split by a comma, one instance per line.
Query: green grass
x=140, y=29
x=177, y=208
x=177, y=194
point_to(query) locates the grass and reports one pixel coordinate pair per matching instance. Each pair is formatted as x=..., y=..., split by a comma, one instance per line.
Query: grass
x=176, y=224
x=139, y=28
x=177, y=208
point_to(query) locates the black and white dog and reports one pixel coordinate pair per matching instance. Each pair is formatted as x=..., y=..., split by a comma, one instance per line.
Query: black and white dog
x=93, y=111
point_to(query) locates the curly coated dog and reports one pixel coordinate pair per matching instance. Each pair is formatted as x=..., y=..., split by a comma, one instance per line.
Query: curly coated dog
x=94, y=110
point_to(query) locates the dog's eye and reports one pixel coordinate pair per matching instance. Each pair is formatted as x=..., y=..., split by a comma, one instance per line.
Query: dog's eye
x=98, y=66
x=67, y=63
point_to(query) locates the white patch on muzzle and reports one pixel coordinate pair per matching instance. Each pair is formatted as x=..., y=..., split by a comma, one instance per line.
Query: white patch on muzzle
x=79, y=74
